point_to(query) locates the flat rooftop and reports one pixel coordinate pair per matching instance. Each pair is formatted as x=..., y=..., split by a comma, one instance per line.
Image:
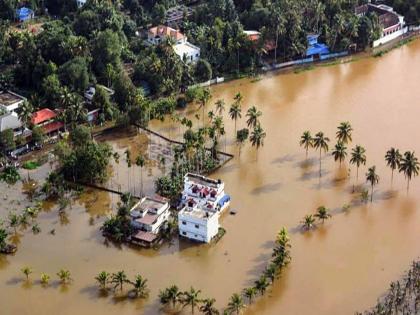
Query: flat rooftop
x=202, y=180
x=148, y=203
x=197, y=213
x=9, y=98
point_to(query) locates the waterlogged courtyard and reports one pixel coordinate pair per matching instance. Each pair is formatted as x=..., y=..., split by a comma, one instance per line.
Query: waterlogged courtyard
x=341, y=267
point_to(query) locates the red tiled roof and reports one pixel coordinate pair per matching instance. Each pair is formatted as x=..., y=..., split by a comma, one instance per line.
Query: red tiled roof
x=145, y=236
x=42, y=116
x=166, y=31
x=53, y=126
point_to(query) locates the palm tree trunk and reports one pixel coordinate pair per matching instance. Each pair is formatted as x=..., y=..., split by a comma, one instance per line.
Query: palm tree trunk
x=320, y=159
x=371, y=194
x=141, y=182
x=275, y=49
x=392, y=177
x=408, y=184
x=307, y=152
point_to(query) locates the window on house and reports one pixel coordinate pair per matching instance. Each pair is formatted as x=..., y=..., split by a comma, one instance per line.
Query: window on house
x=184, y=233
x=184, y=223
x=197, y=226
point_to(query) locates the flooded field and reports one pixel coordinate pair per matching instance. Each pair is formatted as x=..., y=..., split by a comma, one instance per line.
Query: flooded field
x=339, y=268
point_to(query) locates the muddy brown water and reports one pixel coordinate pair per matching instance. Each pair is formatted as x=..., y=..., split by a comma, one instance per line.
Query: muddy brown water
x=339, y=268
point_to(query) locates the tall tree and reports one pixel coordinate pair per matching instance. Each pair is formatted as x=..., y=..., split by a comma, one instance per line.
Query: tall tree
x=339, y=152
x=321, y=144
x=236, y=304
x=235, y=111
x=257, y=137
x=372, y=178
x=191, y=298
x=306, y=141
x=393, y=159
x=358, y=157
x=140, y=161
x=344, y=132
x=253, y=114
x=409, y=166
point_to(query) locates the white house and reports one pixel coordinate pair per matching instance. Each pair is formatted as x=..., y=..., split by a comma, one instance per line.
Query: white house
x=148, y=217
x=203, y=200
x=393, y=25
x=185, y=50
x=208, y=193
x=198, y=224
x=11, y=121
x=10, y=101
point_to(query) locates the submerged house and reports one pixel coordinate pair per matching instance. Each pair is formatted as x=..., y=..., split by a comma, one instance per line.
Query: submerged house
x=148, y=217
x=393, y=25
x=203, y=200
x=316, y=49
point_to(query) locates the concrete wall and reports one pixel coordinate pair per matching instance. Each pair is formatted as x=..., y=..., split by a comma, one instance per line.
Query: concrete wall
x=390, y=37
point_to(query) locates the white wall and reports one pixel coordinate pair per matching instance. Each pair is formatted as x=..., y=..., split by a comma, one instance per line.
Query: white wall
x=388, y=38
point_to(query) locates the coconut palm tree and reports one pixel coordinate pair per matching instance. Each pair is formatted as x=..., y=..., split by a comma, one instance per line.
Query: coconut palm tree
x=208, y=307
x=339, y=152
x=321, y=143
x=45, y=279
x=409, y=166
x=27, y=271
x=118, y=279
x=253, y=115
x=236, y=304
x=235, y=112
x=203, y=99
x=220, y=106
x=372, y=178
x=102, y=278
x=306, y=141
x=64, y=275
x=191, y=298
x=257, y=137
x=140, y=161
x=140, y=286
x=127, y=153
x=322, y=213
x=308, y=222
x=262, y=284
x=393, y=159
x=170, y=295
x=241, y=137
x=358, y=157
x=271, y=272
x=25, y=114
x=344, y=132
x=250, y=293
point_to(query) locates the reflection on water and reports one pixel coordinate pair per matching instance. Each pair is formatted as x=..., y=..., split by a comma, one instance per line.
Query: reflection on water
x=338, y=268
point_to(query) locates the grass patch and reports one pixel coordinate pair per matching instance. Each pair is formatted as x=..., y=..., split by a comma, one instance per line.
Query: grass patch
x=30, y=165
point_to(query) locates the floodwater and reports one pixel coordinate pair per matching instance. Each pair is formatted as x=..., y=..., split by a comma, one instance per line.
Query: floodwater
x=339, y=268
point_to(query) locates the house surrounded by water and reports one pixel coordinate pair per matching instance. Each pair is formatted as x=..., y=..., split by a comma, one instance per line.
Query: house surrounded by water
x=148, y=217
x=203, y=200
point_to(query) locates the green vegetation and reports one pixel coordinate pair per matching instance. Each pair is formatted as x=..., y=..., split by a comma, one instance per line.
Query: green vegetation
x=30, y=165
x=10, y=175
x=83, y=159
